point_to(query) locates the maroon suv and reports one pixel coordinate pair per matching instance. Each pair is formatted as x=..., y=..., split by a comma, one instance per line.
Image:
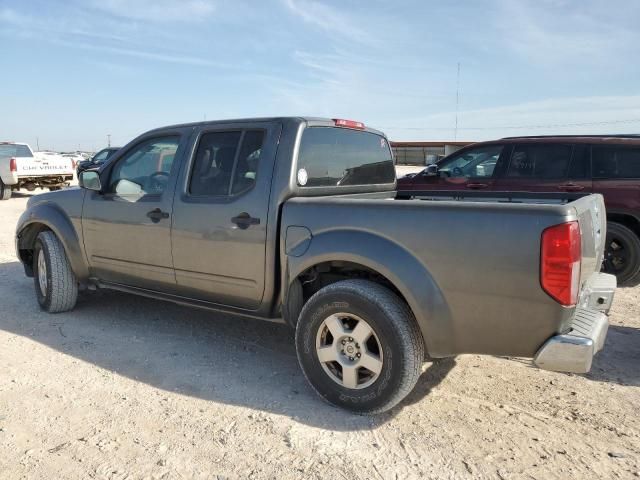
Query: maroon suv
x=609, y=165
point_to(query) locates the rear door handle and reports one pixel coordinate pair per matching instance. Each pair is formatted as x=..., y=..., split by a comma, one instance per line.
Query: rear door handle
x=244, y=220
x=571, y=187
x=477, y=185
x=156, y=215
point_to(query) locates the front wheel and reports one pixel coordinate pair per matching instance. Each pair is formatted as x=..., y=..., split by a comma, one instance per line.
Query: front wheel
x=622, y=254
x=359, y=346
x=55, y=282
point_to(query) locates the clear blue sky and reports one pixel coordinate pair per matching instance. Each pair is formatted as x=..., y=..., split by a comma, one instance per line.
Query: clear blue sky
x=74, y=71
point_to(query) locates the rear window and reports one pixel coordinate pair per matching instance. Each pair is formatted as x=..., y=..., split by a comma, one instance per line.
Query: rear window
x=616, y=162
x=331, y=157
x=540, y=161
x=13, y=150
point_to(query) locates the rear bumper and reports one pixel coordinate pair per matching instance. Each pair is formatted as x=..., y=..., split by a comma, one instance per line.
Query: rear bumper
x=574, y=351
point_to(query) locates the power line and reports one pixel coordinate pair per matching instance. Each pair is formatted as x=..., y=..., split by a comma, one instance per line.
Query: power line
x=551, y=125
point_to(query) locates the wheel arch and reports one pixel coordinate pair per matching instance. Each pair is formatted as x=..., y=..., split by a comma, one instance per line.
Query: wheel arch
x=49, y=217
x=390, y=263
x=630, y=221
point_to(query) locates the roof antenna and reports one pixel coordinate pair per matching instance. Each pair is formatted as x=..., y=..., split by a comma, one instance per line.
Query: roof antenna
x=455, y=131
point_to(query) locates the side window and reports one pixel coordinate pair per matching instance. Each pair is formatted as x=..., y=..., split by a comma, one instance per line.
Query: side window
x=213, y=164
x=539, y=161
x=100, y=156
x=616, y=162
x=226, y=163
x=475, y=162
x=145, y=169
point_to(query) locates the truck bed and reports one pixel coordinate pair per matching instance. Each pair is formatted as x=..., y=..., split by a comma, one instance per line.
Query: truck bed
x=472, y=266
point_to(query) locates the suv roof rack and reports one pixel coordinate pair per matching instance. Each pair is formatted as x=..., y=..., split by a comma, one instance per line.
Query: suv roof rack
x=617, y=135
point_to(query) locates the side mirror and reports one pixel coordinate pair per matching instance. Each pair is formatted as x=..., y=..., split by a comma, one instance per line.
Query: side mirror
x=90, y=180
x=431, y=170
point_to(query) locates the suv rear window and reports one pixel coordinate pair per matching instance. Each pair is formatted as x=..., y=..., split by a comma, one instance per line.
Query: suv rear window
x=9, y=150
x=331, y=157
x=539, y=161
x=616, y=162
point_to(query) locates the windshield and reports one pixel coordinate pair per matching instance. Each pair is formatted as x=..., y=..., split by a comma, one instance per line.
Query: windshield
x=476, y=162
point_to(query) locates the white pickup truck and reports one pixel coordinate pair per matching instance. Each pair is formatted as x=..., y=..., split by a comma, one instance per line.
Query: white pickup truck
x=20, y=168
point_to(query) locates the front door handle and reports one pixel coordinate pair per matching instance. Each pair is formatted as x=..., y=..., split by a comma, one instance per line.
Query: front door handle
x=477, y=186
x=571, y=187
x=244, y=220
x=156, y=215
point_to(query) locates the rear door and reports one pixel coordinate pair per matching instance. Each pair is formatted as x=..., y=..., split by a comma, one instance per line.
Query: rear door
x=127, y=229
x=545, y=167
x=220, y=214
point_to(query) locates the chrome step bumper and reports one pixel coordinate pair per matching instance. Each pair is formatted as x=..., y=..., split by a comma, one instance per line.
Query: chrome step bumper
x=598, y=291
x=573, y=352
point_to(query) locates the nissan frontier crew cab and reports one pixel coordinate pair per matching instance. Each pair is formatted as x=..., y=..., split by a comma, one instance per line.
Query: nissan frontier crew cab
x=295, y=220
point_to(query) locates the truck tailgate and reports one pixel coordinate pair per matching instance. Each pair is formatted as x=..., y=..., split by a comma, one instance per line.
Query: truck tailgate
x=37, y=166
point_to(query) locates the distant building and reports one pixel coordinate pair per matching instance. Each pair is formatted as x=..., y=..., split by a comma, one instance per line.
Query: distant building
x=423, y=153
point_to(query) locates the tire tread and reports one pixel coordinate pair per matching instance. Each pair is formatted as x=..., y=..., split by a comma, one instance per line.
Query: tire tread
x=63, y=289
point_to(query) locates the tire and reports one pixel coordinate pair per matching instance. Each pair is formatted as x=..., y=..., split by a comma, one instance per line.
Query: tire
x=5, y=191
x=54, y=189
x=60, y=290
x=395, y=341
x=622, y=254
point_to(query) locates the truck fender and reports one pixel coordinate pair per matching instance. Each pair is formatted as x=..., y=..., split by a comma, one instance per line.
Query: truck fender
x=54, y=219
x=407, y=274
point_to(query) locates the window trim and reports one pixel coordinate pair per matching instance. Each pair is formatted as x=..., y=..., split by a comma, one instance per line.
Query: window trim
x=188, y=196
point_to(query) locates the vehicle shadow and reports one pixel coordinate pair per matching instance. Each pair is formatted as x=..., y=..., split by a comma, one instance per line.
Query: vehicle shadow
x=619, y=361
x=194, y=352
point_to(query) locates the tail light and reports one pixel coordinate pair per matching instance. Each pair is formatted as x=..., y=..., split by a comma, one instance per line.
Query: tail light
x=339, y=122
x=13, y=165
x=560, y=262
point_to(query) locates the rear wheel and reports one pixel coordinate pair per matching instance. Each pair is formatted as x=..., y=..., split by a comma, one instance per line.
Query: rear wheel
x=5, y=191
x=359, y=346
x=55, y=283
x=622, y=254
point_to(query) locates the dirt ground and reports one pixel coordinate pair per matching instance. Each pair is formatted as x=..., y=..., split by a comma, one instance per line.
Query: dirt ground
x=126, y=388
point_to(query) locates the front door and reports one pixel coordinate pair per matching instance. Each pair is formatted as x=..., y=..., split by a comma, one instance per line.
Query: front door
x=473, y=168
x=127, y=227
x=219, y=231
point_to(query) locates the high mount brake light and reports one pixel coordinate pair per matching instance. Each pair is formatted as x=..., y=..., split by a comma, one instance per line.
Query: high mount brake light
x=560, y=262
x=348, y=123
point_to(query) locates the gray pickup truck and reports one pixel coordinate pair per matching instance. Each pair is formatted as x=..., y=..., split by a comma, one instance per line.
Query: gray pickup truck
x=296, y=220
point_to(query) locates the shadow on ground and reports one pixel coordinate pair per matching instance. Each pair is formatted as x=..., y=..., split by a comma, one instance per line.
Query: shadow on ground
x=619, y=361
x=194, y=352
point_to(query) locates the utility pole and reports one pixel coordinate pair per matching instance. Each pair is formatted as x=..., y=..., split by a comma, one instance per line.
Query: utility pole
x=455, y=132
x=108, y=139
x=38, y=144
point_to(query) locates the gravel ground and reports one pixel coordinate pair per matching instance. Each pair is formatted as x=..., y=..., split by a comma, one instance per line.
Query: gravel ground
x=127, y=387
